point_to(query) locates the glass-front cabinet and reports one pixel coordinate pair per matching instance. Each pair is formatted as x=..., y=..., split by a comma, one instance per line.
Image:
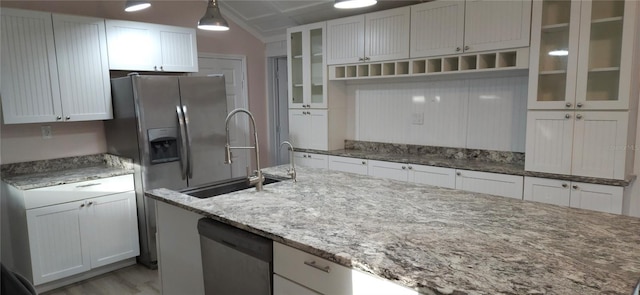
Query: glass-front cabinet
x=307, y=66
x=579, y=52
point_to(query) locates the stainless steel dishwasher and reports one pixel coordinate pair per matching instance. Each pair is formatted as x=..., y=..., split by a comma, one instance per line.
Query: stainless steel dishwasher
x=234, y=261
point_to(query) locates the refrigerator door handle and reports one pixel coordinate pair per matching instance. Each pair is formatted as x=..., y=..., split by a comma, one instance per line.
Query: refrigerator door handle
x=183, y=141
x=186, y=128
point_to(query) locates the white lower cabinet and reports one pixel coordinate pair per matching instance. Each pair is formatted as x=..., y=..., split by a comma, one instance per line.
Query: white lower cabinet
x=490, y=183
x=389, y=170
x=306, y=271
x=311, y=160
x=308, y=129
x=597, y=197
x=436, y=176
x=351, y=165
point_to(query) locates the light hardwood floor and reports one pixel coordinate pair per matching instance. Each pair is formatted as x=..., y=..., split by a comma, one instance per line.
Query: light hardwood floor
x=135, y=279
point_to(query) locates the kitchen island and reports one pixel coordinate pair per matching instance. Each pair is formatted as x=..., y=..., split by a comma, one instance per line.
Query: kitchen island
x=435, y=240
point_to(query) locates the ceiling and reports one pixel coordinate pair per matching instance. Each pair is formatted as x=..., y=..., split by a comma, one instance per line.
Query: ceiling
x=269, y=19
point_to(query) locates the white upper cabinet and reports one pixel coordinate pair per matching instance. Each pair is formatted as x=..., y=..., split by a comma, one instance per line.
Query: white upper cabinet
x=150, y=47
x=451, y=27
x=377, y=36
x=53, y=68
x=582, y=54
x=437, y=28
x=591, y=144
x=491, y=24
x=307, y=67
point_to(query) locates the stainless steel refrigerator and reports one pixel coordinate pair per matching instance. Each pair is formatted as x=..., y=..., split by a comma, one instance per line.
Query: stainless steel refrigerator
x=173, y=127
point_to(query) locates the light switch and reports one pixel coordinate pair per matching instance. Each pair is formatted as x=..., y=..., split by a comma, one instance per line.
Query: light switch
x=46, y=132
x=418, y=118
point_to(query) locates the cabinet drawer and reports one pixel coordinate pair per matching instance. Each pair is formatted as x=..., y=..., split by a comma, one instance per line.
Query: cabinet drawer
x=282, y=286
x=327, y=277
x=490, y=183
x=311, y=271
x=351, y=165
x=70, y=192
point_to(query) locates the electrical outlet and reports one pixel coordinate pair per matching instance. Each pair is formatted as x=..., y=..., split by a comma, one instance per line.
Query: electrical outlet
x=418, y=118
x=46, y=132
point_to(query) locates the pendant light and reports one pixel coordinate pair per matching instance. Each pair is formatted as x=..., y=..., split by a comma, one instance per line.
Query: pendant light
x=212, y=19
x=135, y=5
x=348, y=4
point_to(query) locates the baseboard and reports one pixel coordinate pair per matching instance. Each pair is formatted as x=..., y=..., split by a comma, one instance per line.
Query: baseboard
x=85, y=275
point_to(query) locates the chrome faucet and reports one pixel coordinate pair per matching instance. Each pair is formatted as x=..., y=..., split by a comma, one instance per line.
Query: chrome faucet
x=292, y=170
x=257, y=179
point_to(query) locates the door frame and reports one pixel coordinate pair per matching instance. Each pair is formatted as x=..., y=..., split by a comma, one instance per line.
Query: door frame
x=273, y=108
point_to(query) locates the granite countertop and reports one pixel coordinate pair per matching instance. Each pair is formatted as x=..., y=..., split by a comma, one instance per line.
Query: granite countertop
x=37, y=174
x=482, y=164
x=435, y=240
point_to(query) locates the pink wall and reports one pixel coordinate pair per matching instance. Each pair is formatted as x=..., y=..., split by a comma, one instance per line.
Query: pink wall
x=184, y=13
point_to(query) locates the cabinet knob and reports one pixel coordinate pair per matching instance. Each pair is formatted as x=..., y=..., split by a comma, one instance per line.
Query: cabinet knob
x=161, y=68
x=575, y=187
x=458, y=49
x=309, y=156
x=578, y=116
x=579, y=105
x=304, y=156
x=67, y=118
x=361, y=59
x=58, y=118
x=366, y=58
x=567, y=116
x=364, y=163
x=565, y=185
x=467, y=48
x=458, y=173
x=89, y=204
x=410, y=167
x=155, y=68
x=404, y=167
x=568, y=104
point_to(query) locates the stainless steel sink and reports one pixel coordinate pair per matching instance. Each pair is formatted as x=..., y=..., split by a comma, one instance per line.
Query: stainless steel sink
x=229, y=186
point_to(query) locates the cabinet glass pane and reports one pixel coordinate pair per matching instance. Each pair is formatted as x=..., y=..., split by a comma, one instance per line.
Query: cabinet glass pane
x=296, y=67
x=317, y=76
x=605, y=45
x=554, y=50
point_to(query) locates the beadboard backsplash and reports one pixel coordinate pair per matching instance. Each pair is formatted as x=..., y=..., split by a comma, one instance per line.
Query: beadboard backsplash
x=487, y=113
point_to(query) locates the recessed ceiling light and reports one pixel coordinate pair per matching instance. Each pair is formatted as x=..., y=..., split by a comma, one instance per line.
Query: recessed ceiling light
x=136, y=5
x=348, y=4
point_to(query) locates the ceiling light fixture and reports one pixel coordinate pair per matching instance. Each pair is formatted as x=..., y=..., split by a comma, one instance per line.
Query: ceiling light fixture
x=135, y=5
x=348, y=4
x=212, y=19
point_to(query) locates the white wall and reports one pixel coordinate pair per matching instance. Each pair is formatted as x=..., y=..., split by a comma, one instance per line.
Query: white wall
x=24, y=142
x=487, y=113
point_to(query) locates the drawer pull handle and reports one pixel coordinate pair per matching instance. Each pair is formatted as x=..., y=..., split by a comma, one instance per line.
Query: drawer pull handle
x=88, y=185
x=313, y=264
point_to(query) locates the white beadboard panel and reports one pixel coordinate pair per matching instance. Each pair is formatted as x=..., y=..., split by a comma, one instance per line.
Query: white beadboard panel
x=178, y=49
x=114, y=229
x=132, y=45
x=345, y=42
x=497, y=116
x=29, y=72
x=385, y=113
x=437, y=28
x=83, y=67
x=549, y=141
x=387, y=34
x=491, y=24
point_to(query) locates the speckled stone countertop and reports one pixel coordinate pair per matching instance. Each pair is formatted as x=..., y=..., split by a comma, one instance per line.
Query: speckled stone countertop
x=37, y=174
x=458, y=158
x=435, y=240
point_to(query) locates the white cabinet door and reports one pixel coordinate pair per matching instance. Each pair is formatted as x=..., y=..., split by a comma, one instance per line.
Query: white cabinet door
x=604, y=198
x=549, y=141
x=490, y=183
x=389, y=170
x=282, y=286
x=29, y=71
x=345, y=40
x=436, y=176
x=132, y=46
x=311, y=160
x=319, y=129
x=492, y=25
x=113, y=228
x=351, y=165
x=83, y=67
x=550, y=191
x=437, y=28
x=178, y=49
x=58, y=241
x=387, y=34
x=599, y=144
x=299, y=126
